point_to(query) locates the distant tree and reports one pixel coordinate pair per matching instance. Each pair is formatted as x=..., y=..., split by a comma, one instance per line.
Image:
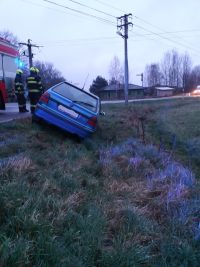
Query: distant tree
x=49, y=74
x=9, y=36
x=165, y=68
x=176, y=69
x=98, y=84
x=194, y=79
x=116, y=72
x=152, y=75
x=186, y=72
x=169, y=68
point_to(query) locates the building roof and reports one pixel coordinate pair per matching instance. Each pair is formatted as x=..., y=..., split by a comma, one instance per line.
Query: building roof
x=114, y=87
x=164, y=88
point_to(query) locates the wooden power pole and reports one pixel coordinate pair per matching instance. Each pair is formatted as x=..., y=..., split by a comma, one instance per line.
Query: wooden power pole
x=30, y=54
x=122, y=25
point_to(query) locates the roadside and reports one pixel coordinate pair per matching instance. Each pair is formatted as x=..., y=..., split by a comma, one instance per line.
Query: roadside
x=115, y=199
x=146, y=99
x=11, y=113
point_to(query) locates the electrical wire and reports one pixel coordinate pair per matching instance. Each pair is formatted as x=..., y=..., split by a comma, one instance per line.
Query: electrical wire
x=172, y=32
x=81, y=12
x=100, y=11
x=47, y=7
x=108, y=5
x=112, y=23
x=83, y=39
x=111, y=38
x=166, y=38
x=145, y=21
x=159, y=28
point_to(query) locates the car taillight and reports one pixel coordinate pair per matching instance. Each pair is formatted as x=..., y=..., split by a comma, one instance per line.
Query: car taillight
x=92, y=121
x=45, y=98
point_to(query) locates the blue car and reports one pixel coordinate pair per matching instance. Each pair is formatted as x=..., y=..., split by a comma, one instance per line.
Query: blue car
x=69, y=108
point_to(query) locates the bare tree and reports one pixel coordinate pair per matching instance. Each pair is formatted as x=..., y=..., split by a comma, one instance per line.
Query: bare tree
x=170, y=68
x=9, y=36
x=195, y=77
x=175, y=69
x=49, y=75
x=186, y=71
x=152, y=75
x=116, y=71
x=165, y=68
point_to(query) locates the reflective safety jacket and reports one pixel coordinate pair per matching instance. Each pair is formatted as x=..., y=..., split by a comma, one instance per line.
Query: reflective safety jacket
x=34, y=84
x=19, y=87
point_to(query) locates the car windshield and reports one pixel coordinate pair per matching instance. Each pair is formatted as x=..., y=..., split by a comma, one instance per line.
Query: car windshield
x=77, y=96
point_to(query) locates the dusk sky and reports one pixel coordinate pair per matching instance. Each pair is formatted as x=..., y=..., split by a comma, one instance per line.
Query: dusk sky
x=83, y=45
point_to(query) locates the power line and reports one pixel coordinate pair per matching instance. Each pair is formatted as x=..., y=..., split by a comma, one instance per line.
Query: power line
x=108, y=5
x=111, y=38
x=62, y=11
x=172, y=32
x=83, y=39
x=145, y=21
x=112, y=23
x=47, y=7
x=100, y=11
x=159, y=28
x=166, y=38
x=81, y=12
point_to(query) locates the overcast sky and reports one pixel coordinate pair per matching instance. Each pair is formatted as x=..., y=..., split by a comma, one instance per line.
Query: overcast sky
x=83, y=46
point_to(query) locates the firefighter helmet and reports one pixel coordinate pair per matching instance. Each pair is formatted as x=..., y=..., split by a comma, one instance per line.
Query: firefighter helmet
x=32, y=69
x=18, y=71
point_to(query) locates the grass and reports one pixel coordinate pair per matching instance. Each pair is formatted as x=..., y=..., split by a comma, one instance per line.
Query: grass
x=127, y=196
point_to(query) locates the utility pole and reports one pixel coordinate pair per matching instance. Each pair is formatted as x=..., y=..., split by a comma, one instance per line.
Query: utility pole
x=123, y=24
x=30, y=54
x=141, y=77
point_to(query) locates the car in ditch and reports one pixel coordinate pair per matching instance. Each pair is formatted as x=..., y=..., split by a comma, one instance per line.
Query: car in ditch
x=69, y=108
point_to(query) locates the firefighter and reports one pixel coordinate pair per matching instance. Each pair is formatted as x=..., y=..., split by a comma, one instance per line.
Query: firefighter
x=40, y=81
x=19, y=91
x=34, y=86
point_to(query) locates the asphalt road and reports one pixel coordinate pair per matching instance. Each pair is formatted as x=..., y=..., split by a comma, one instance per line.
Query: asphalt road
x=12, y=113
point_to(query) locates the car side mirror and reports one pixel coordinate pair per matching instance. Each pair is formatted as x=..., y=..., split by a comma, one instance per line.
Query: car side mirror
x=102, y=113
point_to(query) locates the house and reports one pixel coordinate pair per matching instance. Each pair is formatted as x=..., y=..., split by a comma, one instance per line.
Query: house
x=164, y=91
x=116, y=91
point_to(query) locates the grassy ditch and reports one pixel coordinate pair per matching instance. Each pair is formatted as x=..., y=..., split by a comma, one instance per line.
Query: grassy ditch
x=127, y=196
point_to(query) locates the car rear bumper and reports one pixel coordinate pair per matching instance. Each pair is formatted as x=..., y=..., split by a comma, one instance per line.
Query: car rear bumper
x=62, y=122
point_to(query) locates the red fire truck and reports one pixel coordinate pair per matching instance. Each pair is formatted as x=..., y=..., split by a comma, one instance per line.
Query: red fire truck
x=9, y=60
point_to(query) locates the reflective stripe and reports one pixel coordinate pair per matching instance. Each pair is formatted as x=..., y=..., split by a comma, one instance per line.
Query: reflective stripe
x=32, y=82
x=34, y=91
x=33, y=105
